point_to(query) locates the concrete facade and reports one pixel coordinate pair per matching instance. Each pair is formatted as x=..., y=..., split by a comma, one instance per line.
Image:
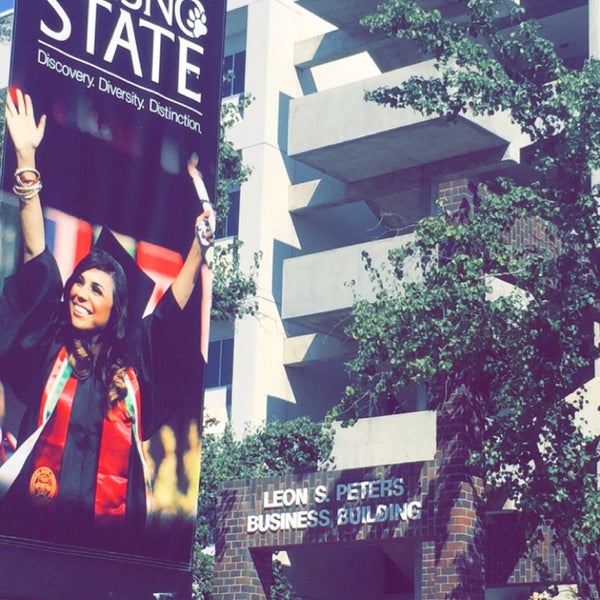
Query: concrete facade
x=333, y=176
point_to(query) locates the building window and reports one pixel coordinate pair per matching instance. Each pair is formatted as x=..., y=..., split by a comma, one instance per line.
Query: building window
x=219, y=371
x=234, y=71
x=229, y=227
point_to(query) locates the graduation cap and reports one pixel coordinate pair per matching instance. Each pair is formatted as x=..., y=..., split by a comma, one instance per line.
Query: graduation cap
x=139, y=284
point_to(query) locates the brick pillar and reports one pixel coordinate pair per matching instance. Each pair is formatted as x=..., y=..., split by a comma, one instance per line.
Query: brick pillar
x=451, y=194
x=453, y=565
x=237, y=573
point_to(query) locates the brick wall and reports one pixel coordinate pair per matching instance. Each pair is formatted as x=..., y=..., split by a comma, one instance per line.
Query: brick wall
x=461, y=551
x=236, y=575
x=342, y=519
x=457, y=195
x=448, y=522
x=452, y=193
x=457, y=569
x=505, y=542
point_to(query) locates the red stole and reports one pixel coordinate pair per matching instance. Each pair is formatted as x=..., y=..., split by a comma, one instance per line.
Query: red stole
x=120, y=429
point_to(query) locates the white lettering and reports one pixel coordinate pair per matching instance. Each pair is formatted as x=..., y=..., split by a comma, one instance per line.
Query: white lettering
x=63, y=69
x=128, y=96
x=252, y=526
x=178, y=16
x=321, y=494
x=324, y=518
x=157, y=34
x=351, y=492
x=116, y=29
x=366, y=515
x=186, y=67
x=65, y=31
x=286, y=498
x=132, y=4
x=90, y=43
x=124, y=25
x=414, y=511
x=167, y=10
x=184, y=119
x=273, y=522
x=398, y=488
x=362, y=490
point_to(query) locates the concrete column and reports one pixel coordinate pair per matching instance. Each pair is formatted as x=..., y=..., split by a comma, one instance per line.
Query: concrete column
x=594, y=28
x=272, y=28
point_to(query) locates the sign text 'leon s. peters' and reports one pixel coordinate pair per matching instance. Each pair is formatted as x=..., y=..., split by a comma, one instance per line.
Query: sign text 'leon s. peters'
x=350, y=503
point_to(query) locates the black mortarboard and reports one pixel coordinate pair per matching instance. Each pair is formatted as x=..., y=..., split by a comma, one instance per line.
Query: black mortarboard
x=139, y=285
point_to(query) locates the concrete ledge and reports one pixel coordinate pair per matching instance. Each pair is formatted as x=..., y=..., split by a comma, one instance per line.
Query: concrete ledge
x=313, y=347
x=316, y=285
x=339, y=133
x=393, y=439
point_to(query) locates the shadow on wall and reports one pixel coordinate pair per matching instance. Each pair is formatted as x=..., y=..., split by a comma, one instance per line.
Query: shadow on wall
x=317, y=388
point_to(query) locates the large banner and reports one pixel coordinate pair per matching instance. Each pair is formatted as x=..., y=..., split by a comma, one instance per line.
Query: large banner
x=131, y=90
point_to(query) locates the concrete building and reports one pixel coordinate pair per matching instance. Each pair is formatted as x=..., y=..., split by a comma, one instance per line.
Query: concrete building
x=334, y=176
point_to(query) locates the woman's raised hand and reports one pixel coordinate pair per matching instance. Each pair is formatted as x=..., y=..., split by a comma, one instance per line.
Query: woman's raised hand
x=27, y=135
x=25, y=132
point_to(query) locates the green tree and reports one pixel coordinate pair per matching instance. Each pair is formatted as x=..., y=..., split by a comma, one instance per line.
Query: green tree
x=234, y=290
x=435, y=320
x=297, y=446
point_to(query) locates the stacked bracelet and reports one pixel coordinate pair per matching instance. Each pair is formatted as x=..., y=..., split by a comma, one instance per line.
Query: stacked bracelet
x=30, y=187
x=206, y=239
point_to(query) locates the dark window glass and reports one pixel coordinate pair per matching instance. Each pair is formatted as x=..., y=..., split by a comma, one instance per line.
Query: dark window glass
x=234, y=64
x=219, y=371
x=230, y=225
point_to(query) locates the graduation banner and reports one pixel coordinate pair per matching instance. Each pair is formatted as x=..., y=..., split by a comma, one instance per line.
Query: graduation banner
x=131, y=91
x=130, y=88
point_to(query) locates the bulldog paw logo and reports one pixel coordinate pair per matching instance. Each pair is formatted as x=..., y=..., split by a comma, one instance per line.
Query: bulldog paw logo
x=196, y=21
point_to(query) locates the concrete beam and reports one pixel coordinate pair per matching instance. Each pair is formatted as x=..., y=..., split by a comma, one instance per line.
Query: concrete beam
x=303, y=350
x=389, y=440
x=340, y=134
x=346, y=14
x=334, y=45
x=324, y=192
x=327, y=192
x=316, y=292
x=325, y=48
x=389, y=53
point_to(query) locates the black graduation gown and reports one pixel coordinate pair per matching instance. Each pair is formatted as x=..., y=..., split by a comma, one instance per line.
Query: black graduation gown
x=164, y=351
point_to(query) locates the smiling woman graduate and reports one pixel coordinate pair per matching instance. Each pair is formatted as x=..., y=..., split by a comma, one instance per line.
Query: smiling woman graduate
x=97, y=379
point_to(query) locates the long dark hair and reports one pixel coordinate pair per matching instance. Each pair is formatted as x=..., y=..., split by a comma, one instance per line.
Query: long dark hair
x=111, y=355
